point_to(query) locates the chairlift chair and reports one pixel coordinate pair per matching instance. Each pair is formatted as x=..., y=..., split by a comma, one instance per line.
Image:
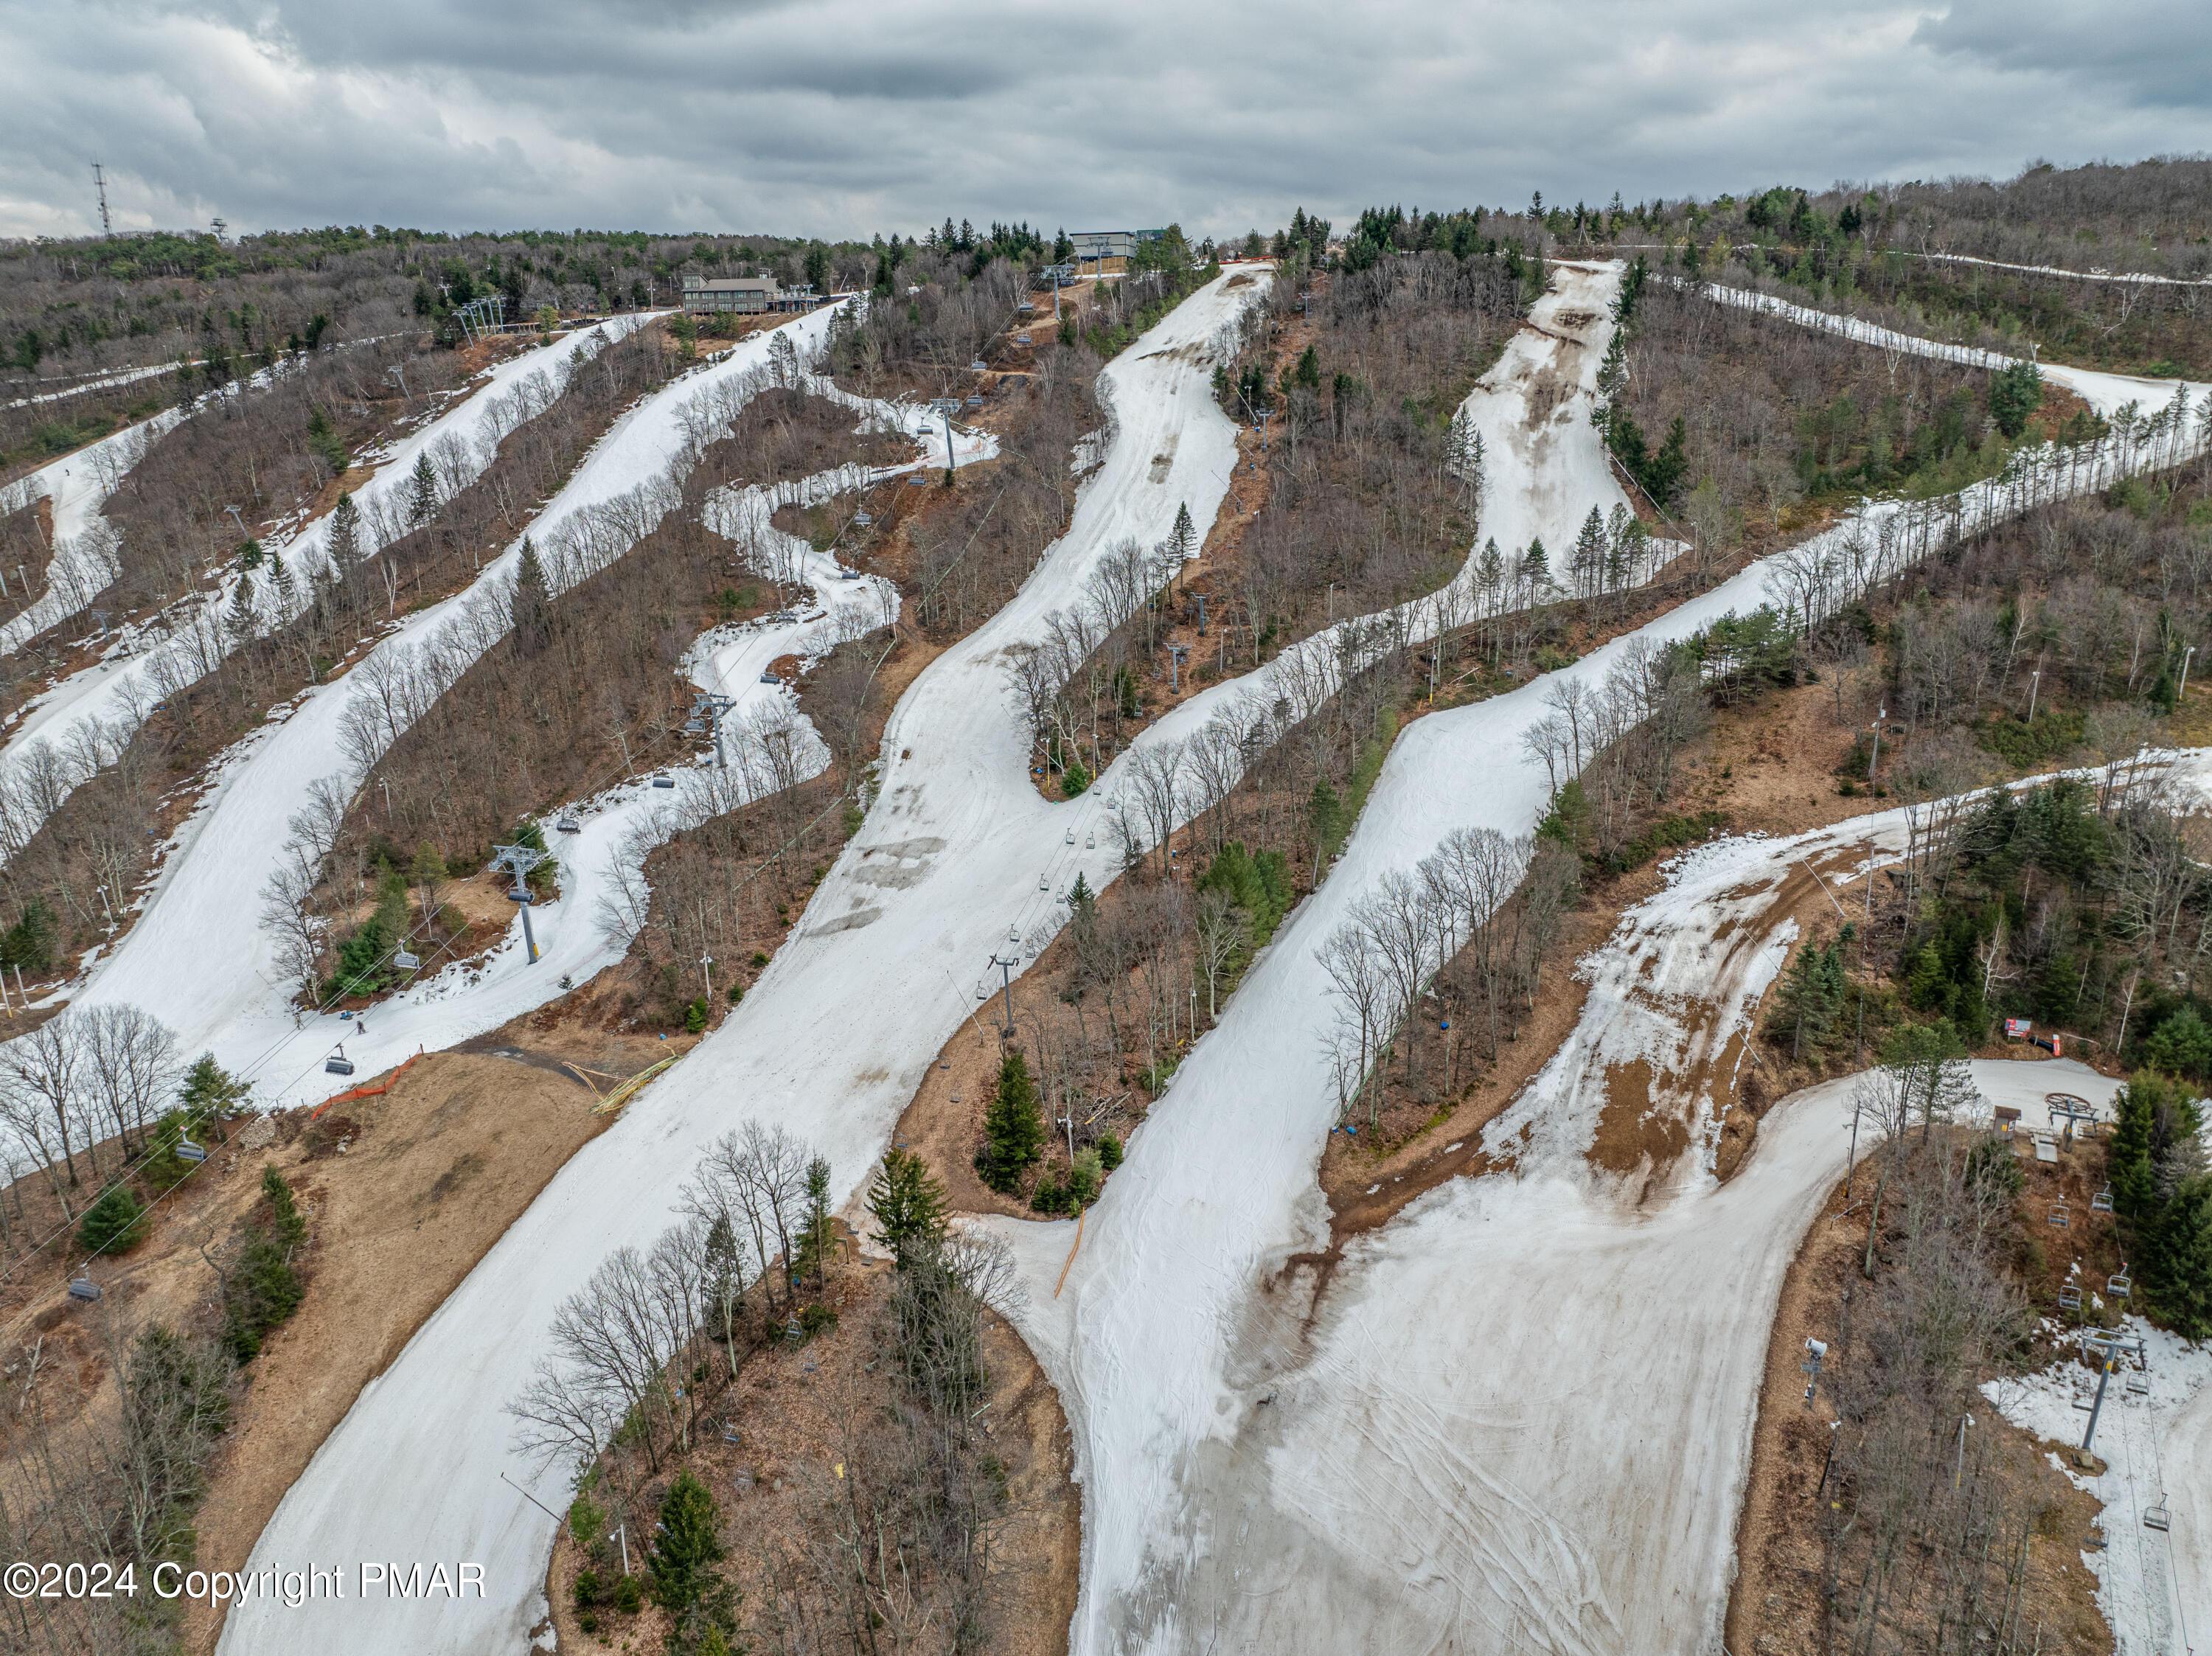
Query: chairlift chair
x=979, y=366
x=83, y=1287
x=2102, y=1201
x=1071, y=836
x=915, y=480
x=974, y=400
x=2155, y=1517
x=188, y=1151
x=695, y=726
x=2120, y=1287
x=770, y=678
x=2058, y=1215
x=338, y=1064
x=406, y=961
x=864, y=517
x=663, y=780
x=569, y=825
x=1044, y=882
x=1022, y=339
x=2070, y=1298
x=1091, y=842
x=2138, y=1383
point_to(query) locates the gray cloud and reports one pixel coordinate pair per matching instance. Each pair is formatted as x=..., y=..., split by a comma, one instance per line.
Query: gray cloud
x=853, y=116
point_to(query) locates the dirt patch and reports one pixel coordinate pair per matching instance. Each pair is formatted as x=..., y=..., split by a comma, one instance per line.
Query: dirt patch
x=431, y=1174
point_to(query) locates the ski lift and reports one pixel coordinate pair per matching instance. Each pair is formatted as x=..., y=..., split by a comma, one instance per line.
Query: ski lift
x=2154, y=1517
x=979, y=366
x=982, y=992
x=337, y=1063
x=974, y=400
x=2102, y=1201
x=915, y=480
x=569, y=825
x=83, y=1287
x=770, y=678
x=1044, y=882
x=1071, y=836
x=1013, y=934
x=663, y=780
x=695, y=726
x=188, y=1151
x=1022, y=339
x=2122, y=1286
x=2058, y=1215
x=1091, y=842
x=406, y=962
x=2138, y=1383
x=2070, y=1298
x=864, y=517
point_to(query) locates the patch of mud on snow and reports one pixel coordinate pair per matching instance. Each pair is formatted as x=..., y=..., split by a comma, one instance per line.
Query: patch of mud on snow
x=2153, y=1585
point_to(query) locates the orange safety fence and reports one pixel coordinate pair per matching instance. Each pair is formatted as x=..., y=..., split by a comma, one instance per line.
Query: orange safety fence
x=372, y=1091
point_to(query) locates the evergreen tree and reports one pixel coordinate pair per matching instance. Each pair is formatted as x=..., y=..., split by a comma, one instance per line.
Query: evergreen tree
x=1325, y=818
x=282, y=583
x=1670, y=465
x=1535, y=566
x=1490, y=573
x=422, y=495
x=534, y=603
x=818, y=1238
x=1811, y=998
x=2176, y=1266
x=2130, y=1167
x=907, y=1205
x=345, y=535
x=210, y=1090
x=1013, y=1126
x=1182, y=539
x=240, y=620
x=686, y=1548
x=1586, y=563
x=114, y=1224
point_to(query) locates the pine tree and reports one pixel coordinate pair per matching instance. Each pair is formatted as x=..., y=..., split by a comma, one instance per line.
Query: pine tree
x=282, y=583
x=1535, y=566
x=534, y=603
x=1586, y=563
x=1013, y=1126
x=818, y=1238
x=240, y=620
x=345, y=535
x=2178, y=1265
x=686, y=1548
x=1182, y=539
x=423, y=497
x=1670, y=465
x=907, y=1205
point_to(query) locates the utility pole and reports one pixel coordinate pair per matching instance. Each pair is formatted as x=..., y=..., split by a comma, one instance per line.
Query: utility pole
x=99, y=182
x=1875, y=759
x=707, y=969
x=1175, y=653
x=518, y=860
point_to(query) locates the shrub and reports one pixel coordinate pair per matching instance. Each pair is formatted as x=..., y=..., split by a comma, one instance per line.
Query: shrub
x=114, y=1224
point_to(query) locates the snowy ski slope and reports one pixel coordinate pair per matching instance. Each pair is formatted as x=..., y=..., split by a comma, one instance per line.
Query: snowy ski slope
x=830, y=1043
x=1146, y=1340
x=78, y=485
x=101, y=707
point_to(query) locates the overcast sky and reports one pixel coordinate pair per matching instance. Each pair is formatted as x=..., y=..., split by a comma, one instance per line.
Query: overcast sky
x=850, y=117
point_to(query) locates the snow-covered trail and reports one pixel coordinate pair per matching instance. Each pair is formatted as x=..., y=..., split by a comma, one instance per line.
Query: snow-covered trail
x=95, y=710
x=1544, y=467
x=78, y=485
x=2108, y=394
x=1144, y=1338
x=205, y=902
x=103, y=382
x=600, y=880
x=830, y=1043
